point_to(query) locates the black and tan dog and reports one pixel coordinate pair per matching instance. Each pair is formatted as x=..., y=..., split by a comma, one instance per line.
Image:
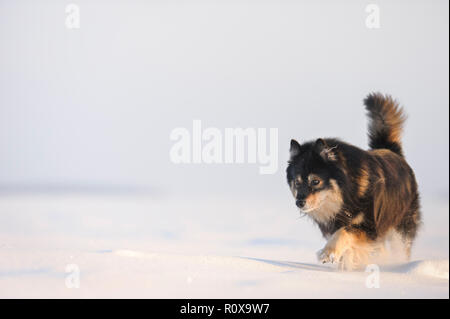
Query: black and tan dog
x=358, y=198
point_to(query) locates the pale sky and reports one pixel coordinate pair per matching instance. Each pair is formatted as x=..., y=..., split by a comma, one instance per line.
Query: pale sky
x=96, y=105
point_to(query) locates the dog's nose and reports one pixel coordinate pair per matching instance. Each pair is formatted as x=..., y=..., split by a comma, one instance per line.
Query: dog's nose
x=300, y=203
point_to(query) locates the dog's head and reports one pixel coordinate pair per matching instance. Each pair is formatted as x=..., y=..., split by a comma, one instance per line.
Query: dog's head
x=312, y=176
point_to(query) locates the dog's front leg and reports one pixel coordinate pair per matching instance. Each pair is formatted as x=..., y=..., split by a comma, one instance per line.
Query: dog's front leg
x=339, y=242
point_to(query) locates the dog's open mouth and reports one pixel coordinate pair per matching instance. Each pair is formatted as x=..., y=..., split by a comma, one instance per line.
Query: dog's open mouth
x=309, y=210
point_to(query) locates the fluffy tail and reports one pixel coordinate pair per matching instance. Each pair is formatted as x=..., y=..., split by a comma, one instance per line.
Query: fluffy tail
x=386, y=120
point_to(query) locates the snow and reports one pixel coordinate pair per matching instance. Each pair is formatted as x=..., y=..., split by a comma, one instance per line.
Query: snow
x=141, y=246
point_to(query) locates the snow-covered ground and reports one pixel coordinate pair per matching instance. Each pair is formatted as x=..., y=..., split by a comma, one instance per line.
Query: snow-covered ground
x=167, y=247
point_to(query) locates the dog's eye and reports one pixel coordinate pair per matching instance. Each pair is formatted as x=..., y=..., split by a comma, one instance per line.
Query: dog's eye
x=315, y=182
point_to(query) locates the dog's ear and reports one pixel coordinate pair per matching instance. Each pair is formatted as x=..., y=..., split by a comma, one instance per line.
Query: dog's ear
x=295, y=148
x=326, y=152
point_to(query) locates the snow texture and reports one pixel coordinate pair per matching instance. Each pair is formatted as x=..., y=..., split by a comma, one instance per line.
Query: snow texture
x=146, y=247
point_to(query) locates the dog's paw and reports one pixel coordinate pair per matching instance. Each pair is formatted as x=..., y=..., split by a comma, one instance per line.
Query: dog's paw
x=326, y=256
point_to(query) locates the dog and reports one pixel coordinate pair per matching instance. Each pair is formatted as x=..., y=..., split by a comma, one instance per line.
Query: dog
x=359, y=199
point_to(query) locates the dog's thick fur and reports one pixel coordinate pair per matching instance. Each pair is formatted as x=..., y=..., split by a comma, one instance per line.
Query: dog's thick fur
x=358, y=198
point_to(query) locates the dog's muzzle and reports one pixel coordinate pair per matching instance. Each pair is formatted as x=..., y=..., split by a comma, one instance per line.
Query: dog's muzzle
x=300, y=203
